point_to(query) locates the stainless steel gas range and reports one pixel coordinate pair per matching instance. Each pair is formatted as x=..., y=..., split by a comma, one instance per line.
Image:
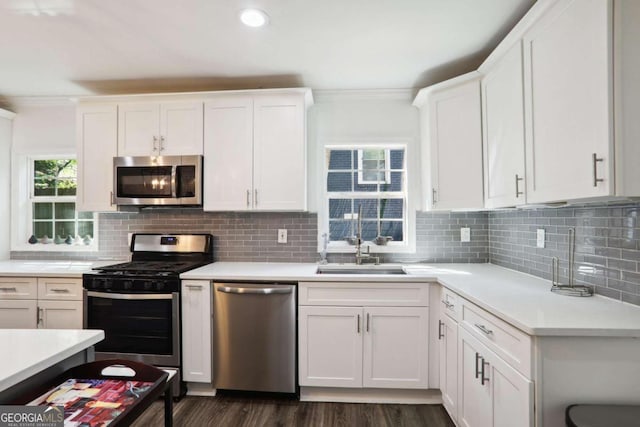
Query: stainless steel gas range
x=137, y=303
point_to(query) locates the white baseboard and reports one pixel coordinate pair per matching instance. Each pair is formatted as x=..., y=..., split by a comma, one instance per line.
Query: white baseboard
x=370, y=395
x=200, y=389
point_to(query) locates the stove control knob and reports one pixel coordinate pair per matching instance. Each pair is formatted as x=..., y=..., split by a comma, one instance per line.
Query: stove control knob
x=107, y=284
x=148, y=285
x=128, y=284
x=160, y=286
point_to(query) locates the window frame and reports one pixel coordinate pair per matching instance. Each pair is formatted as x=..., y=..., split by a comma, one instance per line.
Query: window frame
x=408, y=244
x=23, y=199
x=387, y=170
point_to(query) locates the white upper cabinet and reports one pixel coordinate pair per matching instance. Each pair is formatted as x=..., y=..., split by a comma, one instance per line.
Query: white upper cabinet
x=581, y=64
x=97, y=144
x=160, y=129
x=255, y=151
x=452, y=143
x=567, y=69
x=503, y=128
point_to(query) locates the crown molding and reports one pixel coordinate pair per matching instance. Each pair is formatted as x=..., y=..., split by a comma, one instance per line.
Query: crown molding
x=329, y=95
x=41, y=101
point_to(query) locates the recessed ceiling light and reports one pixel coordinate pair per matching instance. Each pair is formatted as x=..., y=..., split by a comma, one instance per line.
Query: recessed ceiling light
x=254, y=18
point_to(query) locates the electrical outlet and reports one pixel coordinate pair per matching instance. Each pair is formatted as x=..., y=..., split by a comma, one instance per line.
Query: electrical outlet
x=465, y=234
x=282, y=235
x=540, y=236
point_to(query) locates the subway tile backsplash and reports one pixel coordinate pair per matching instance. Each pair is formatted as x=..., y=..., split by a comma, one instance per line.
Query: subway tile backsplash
x=607, y=240
x=607, y=245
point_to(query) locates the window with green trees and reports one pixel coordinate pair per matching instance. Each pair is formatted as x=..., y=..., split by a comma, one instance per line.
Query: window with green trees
x=53, y=195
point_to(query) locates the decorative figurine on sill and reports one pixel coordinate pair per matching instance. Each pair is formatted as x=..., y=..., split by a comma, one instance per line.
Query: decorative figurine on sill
x=45, y=240
x=87, y=240
x=78, y=240
x=58, y=240
x=33, y=240
x=69, y=240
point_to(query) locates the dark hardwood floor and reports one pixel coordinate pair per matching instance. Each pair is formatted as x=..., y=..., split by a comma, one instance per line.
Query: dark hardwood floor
x=223, y=411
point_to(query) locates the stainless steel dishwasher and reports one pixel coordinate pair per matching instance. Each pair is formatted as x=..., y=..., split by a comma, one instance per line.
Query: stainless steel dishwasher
x=255, y=337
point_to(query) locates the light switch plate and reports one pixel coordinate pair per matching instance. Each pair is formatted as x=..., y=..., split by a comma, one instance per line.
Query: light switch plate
x=540, y=236
x=465, y=234
x=282, y=235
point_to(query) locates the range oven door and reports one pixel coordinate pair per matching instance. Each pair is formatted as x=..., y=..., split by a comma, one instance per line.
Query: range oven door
x=137, y=326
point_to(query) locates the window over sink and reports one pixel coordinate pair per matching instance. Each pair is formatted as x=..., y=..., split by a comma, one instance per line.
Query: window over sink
x=370, y=182
x=48, y=217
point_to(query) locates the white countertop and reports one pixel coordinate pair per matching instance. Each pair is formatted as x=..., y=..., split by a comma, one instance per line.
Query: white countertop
x=523, y=300
x=44, y=268
x=29, y=351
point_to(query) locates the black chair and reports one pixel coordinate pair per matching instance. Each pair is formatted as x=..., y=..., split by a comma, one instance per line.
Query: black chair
x=603, y=416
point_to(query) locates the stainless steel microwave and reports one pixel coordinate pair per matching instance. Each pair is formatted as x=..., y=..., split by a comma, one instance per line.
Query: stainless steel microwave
x=164, y=181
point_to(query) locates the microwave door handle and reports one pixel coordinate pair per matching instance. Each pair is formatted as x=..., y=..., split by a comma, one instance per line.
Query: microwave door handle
x=174, y=190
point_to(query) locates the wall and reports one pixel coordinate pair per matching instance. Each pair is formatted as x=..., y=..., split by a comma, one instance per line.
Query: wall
x=5, y=180
x=607, y=245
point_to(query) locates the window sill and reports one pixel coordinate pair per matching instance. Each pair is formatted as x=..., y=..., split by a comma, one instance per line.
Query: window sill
x=343, y=248
x=52, y=247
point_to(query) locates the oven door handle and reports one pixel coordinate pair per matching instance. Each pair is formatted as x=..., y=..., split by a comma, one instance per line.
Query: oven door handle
x=108, y=295
x=258, y=291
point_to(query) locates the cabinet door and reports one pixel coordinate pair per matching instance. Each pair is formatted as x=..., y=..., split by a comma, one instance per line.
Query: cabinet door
x=448, y=351
x=18, y=314
x=97, y=145
x=60, y=314
x=196, y=331
x=396, y=343
x=567, y=69
x=181, y=128
x=58, y=288
x=503, y=115
x=330, y=346
x=228, y=154
x=280, y=163
x=139, y=129
x=456, y=147
x=512, y=403
x=474, y=397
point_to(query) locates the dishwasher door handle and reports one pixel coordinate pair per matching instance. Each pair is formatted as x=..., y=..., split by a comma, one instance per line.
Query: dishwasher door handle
x=254, y=291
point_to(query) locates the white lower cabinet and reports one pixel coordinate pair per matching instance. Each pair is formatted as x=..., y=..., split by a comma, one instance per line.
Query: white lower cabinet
x=361, y=346
x=60, y=314
x=448, y=367
x=18, y=314
x=196, y=331
x=330, y=346
x=492, y=393
x=42, y=302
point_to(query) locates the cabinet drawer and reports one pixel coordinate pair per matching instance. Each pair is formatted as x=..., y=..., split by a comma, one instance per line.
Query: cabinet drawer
x=510, y=343
x=450, y=303
x=60, y=289
x=364, y=294
x=18, y=288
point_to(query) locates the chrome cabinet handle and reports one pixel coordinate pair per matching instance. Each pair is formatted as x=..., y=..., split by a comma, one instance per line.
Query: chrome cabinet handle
x=518, y=192
x=248, y=198
x=483, y=329
x=39, y=318
x=367, y=322
x=358, y=324
x=440, y=325
x=483, y=379
x=434, y=193
x=161, y=144
x=254, y=291
x=478, y=357
x=111, y=199
x=196, y=287
x=447, y=304
x=155, y=143
x=255, y=199
x=13, y=289
x=596, y=159
x=64, y=291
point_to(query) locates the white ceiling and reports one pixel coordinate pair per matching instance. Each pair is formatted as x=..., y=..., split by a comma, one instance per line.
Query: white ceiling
x=116, y=46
